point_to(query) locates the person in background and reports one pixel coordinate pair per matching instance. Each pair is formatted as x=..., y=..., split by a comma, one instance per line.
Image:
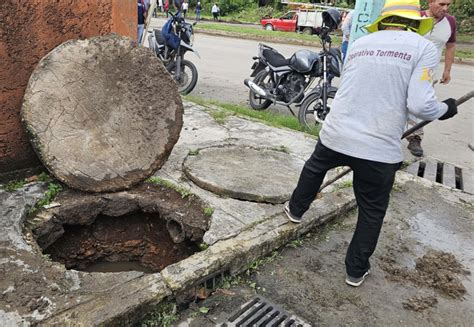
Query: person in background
x=184, y=7
x=198, y=10
x=215, y=11
x=167, y=7
x=443, y=35
x=143, y=6
x=386, y=76
x=346, y=32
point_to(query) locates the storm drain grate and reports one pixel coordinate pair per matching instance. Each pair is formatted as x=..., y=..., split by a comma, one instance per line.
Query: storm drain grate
x=444, y=173
x=260, y=312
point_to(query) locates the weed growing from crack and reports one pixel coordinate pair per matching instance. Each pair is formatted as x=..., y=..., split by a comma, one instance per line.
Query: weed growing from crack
x=44, y=177
x=208, y=211
x=53, y=190
x=296, y=243
x=203, y=246
x=14, y=185
x=194, y=152
x=256, y=264
x=220, y=116
x=184, y=191
x=164, y=314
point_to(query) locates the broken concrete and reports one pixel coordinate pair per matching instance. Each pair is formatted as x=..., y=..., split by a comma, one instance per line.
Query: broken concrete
x=223, y=170
x=102, y=114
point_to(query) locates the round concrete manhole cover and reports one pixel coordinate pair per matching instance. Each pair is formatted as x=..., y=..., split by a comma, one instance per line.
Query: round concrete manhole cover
x=102, y=114
x=245, y=173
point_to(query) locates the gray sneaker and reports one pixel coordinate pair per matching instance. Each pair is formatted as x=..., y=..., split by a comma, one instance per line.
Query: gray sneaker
x=291, y=216
x=356, y=282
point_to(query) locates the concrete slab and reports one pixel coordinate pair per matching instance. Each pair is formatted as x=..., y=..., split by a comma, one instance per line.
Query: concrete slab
x=37, y=290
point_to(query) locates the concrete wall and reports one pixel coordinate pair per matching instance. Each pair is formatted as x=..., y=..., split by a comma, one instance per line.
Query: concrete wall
x=28, y=31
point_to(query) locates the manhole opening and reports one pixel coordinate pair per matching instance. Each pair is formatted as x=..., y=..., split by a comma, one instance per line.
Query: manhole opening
x=138, y=241
x=147, y=229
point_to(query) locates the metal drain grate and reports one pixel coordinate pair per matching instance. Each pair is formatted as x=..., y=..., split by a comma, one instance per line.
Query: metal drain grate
x=444, y=173
x=260, y=312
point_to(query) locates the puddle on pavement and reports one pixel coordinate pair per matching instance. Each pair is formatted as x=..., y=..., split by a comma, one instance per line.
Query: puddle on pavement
x=139, y=241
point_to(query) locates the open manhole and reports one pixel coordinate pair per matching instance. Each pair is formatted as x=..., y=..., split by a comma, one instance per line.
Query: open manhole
x=144, y=229
x=261, y=312
x=443, y=173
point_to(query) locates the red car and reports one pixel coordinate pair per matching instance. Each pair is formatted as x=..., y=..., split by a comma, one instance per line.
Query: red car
x=286, y=23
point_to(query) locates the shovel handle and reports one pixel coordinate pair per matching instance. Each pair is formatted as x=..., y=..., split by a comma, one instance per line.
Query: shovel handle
x=459, y=101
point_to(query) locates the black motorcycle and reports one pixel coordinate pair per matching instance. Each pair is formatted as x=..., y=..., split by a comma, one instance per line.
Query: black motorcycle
x=316, y=104
x=170, y=44
x=278, y=80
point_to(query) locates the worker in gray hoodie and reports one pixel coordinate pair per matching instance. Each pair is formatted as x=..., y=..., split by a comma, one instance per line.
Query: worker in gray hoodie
x=387, y=75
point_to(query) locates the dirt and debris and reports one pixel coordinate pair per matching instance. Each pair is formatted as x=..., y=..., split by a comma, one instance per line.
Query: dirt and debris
x=420, y=303
x=436, y=269
x=427, y=282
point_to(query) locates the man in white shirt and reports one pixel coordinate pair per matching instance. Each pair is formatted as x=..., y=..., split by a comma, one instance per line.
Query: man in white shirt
x=387, y=74
x=443, y=35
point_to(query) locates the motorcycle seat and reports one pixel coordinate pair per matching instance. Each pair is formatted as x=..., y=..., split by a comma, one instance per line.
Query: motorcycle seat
x=274, y=58
x=158, y=37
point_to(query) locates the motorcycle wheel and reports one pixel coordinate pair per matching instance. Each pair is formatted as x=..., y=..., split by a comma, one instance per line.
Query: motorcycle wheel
x=188, y=78
x=311, y=115
x=256, y=101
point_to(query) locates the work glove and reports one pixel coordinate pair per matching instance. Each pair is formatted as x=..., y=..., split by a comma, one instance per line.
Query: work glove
x=452, y=109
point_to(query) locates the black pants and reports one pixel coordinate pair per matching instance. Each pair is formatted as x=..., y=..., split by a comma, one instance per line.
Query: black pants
x=372, y=184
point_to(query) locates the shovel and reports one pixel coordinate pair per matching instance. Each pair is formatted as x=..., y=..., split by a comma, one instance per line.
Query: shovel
x=409, y=131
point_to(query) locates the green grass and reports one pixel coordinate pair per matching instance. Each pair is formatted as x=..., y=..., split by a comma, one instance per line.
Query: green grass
x=275, y=120
x=261, y=33
x=164, y=314
x=185, y=192
x=208, y=211
x=465, y=54
x=465, y=38
x=14, y=185
x=53, y=190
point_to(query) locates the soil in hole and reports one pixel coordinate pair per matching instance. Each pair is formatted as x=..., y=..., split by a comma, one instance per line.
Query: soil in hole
x=125, y=243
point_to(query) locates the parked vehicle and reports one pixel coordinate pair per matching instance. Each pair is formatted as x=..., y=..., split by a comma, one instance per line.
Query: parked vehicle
x=316, y=104
x=278, y=80
x=304, y=21
x=170, y=45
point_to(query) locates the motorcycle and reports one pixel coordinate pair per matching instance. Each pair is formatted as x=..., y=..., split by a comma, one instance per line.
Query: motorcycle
x=316, y=104
x=284, y=81
x=278, y=80
x=170, y=45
